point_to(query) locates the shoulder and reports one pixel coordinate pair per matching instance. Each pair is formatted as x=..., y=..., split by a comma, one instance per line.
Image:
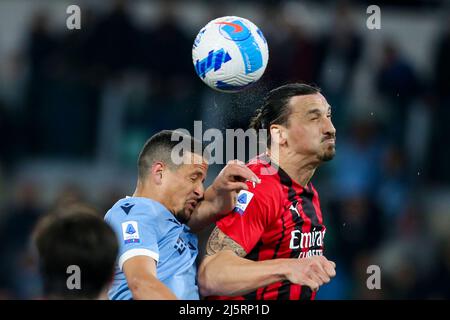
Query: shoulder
x=270, y=186
x=133, y=208
x=261, y=199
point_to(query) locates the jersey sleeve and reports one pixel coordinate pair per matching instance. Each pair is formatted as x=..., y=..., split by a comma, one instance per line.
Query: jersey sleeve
x=255, y=210
x=137, y=234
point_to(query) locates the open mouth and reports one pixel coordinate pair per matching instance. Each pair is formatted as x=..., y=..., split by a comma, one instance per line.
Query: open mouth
x=191, y=204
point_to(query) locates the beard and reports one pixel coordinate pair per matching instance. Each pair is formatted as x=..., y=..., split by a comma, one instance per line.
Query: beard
x=181, y=217
x=328, y=154
x=184, y=215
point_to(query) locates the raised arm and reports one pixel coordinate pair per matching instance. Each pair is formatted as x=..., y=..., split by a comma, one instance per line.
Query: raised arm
x=225, y=271
x=220, y=197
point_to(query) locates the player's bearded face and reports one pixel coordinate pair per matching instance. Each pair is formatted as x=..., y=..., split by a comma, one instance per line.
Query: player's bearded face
x=188, y=188
x=310, y=130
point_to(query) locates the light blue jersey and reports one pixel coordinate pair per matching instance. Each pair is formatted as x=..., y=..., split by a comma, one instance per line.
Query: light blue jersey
x=145, y=227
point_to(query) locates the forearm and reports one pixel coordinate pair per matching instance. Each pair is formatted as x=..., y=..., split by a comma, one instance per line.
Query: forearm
x=150, y=290
x=227, y=274
x=211, y=209
x=202, y=216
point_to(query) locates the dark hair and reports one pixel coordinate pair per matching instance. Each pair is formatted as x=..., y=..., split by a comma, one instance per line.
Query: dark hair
x=159, y=148
x=78, y=236
x=275, y=109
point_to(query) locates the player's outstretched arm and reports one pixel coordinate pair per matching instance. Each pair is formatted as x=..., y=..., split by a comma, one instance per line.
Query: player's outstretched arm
x=140, y=272
x=224, y=271
x=220, y=197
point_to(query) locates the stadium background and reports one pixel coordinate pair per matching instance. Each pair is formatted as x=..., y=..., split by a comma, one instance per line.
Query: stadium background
x=76, y=106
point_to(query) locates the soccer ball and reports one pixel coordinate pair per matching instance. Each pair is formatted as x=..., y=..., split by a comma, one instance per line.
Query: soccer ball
x=230, y=54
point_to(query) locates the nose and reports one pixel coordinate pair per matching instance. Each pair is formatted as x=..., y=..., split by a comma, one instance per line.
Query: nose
x=199, y=191
x=329, y=127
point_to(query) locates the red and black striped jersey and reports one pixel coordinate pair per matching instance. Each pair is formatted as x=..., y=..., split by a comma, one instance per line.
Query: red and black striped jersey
x=277, y=218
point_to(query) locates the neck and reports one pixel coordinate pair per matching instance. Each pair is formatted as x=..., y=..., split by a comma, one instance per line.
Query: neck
x=300, y=168
x=143, y=190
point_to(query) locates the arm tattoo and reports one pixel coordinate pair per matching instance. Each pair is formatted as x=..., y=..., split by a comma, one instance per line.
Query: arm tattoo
x=219, y=241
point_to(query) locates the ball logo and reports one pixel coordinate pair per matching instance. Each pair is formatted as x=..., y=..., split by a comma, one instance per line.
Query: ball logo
x=237, y=28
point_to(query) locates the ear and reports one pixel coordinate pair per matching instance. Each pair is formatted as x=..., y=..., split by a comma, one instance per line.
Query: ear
x=278, y=134
x=157, y=172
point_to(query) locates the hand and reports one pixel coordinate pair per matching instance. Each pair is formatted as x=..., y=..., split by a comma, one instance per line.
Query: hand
x=312, y=272
x=230, y=181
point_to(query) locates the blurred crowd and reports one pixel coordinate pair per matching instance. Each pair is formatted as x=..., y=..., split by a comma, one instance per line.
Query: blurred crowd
x=95, y=95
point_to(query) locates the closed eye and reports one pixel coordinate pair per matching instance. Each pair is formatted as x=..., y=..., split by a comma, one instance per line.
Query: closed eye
x=315, y=114
x=194, y=177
